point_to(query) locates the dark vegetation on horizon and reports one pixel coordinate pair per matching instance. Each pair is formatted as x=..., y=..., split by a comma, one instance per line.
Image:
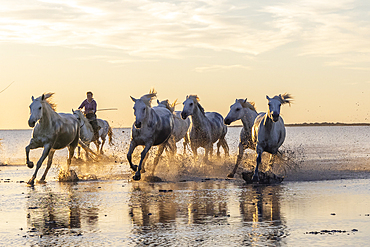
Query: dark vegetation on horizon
x=319, y=124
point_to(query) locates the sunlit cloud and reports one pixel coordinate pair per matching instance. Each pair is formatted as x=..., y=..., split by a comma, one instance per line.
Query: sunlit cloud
x=221, y=67
x=150, y=29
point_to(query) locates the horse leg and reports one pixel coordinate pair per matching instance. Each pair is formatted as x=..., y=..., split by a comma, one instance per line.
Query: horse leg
x=218, y=148
x=32, y=145
x=97, y=145
x=137, y=175
x=87, y=152
x=194, y=149
x=101, y=146
x=171, y=143
x=208, y=151
x=50, y=160
x=71, y=149
x=255, y=177
x=129, y=155
x=273, y=157
x=185, y=143
x=225, y=147
x=156, y=159
x=45, y=153
x=238, y=160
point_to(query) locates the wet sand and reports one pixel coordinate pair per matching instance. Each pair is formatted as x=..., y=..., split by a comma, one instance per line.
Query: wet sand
x=202, y=211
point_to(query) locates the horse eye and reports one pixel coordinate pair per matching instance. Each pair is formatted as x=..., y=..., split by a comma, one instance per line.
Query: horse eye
x=191, y=104
x=237, y=109
x=40, y=108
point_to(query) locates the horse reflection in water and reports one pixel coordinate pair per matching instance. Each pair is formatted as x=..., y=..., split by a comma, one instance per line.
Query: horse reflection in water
x=53, y=213
x=207, y=211
x=181, y=126
x=207, y=128
x=247, y=113
x=260, y=208
x=268, y=131
x=152, y=127
x=53, y=131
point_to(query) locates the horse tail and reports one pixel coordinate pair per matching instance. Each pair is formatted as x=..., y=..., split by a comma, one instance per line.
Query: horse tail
x=110, y=135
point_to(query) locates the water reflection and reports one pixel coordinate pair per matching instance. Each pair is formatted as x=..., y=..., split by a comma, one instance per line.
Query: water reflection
x=62, y=210
x=260, y=210
x=205, y=213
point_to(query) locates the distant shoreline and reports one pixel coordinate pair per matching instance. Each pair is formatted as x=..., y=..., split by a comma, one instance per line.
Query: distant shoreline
x=319, y=124
x=287, y=125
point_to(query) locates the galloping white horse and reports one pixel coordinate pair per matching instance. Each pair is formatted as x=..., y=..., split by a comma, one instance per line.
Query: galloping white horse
x=268, y=131
x=245, y=111
x=207, y=127
x=152, y=127
x=53, y=131
x=87, y=132
x=181, y=126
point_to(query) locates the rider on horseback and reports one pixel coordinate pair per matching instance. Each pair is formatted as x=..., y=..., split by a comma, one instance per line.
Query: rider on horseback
x=90, y=112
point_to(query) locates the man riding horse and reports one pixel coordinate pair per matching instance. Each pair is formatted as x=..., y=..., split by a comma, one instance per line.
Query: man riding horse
x=90, y=106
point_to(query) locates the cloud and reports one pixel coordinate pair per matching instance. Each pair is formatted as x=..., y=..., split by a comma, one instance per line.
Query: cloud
x=140, y=28
x=221, y=67
x=151, y=29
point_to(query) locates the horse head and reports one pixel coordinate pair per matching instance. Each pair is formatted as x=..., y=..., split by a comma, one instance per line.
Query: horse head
x=35, y=111
x=140, y=112
x=190, y=104
x=37, y=107
x=236, y=112
x=275, y=104
x=79, y=115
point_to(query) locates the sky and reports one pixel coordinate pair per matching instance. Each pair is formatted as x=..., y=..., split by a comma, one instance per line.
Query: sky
x=318, y=51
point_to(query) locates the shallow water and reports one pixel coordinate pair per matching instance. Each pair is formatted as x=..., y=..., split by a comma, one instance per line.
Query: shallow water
x=196, y=205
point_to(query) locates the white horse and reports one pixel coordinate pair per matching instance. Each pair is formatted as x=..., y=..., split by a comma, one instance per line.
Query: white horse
x=245, y=111
x=53, y=131
x=268, y=132
x=181, y=126
x=207, y=128
x=87, y=131
x=152, y=127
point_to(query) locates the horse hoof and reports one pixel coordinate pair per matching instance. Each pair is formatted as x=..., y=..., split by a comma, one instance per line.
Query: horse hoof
x=30, y=164
x=134, y=168
x=137, y=177
x=41, y=181
x=255, y=178
x=231, y=175
x=31, y=183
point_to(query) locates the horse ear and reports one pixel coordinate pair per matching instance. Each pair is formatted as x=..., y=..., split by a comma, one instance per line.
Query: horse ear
x=245, y=101
x=267, y=97
x=157, y=101
x=43, y=97
x=32, y=98
x=133, y=99
x=73, y=111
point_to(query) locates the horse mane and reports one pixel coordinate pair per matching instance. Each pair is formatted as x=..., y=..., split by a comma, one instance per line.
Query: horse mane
x=196, y=100
x=147, y=98
x=48, y=99
x=247, y=104
x=166, y=103
x=286, y=98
